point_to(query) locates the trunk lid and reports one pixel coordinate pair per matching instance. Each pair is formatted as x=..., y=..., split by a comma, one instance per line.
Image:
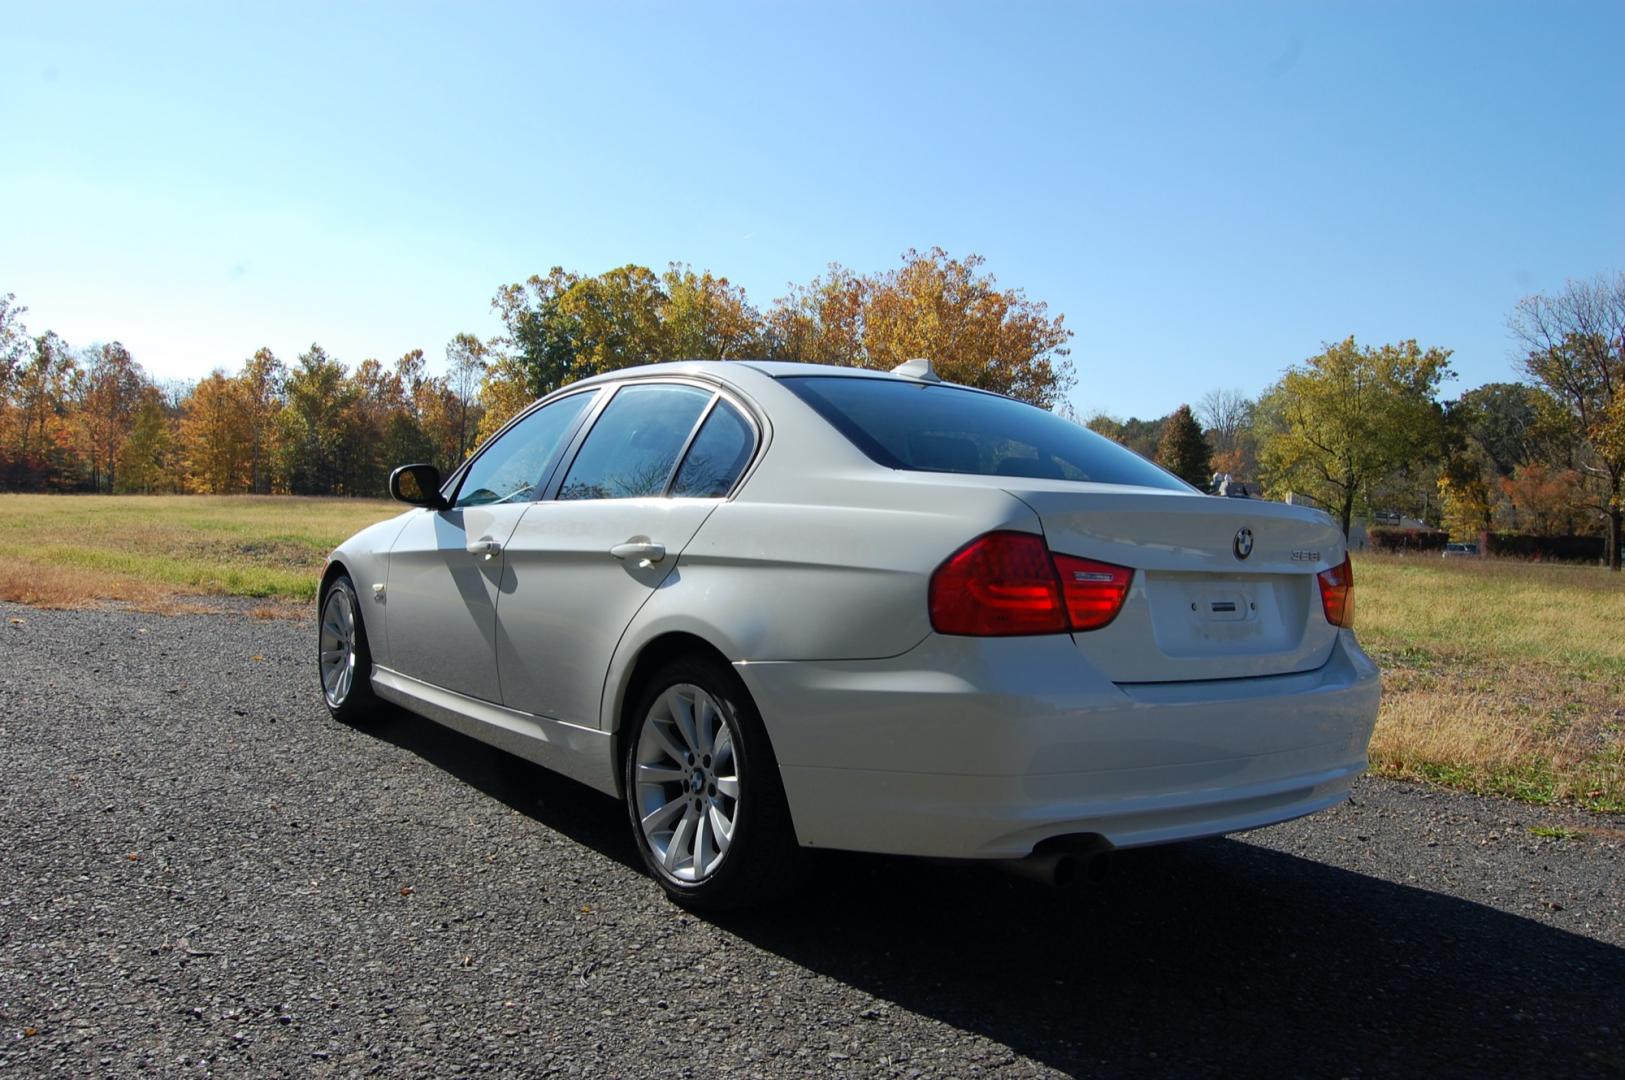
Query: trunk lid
x=1198, y=608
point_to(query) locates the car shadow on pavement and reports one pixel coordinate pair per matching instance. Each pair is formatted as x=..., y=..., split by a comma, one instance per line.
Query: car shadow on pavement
x=1216, y=956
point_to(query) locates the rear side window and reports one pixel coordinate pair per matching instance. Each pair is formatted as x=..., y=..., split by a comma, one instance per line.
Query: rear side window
x=634, y=444
x=934, y=428
x=718, y=455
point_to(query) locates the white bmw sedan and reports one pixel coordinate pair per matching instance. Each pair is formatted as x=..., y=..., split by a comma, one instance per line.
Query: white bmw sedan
x=779, y=606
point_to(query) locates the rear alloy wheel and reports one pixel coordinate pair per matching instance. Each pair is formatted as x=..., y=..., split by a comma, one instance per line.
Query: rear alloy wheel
x=345, y=660
x=706, y=803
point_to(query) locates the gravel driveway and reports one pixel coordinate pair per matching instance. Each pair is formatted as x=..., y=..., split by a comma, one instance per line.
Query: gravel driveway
x=204, y=874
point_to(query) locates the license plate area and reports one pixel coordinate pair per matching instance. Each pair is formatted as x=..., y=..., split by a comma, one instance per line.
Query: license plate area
x=1225, y=614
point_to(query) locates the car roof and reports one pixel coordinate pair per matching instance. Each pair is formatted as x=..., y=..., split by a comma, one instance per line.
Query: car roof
x=782, y=368
x=727, y=371
x=776, y=369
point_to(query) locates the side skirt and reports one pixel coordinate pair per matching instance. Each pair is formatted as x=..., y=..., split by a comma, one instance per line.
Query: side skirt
x=584, y=754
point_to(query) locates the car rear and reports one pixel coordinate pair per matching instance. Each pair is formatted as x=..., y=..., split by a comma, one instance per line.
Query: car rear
x=1121, y=660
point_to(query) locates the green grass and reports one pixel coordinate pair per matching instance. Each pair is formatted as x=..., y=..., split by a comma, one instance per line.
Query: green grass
x=74, y=549
x=1549, y=832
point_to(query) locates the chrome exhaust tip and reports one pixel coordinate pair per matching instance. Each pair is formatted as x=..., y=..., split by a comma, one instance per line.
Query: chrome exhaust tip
x=1063, y=861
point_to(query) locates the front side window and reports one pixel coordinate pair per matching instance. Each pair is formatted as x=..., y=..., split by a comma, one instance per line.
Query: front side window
x=934, y=428
x=513, y=468
x=634, y=444
x=717, y=456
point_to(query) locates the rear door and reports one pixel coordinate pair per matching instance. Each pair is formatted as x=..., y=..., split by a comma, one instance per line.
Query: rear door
x=655, y=463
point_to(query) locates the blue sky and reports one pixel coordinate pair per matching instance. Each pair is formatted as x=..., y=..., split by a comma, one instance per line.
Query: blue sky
x=1207, y=192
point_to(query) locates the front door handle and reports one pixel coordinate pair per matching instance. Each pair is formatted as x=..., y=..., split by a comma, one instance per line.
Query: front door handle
x=645, y=552
x=485, y=546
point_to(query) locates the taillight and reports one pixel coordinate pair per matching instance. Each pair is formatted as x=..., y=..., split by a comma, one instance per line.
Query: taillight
x=1001, y=583
x=1094, y=591
x=1007, y=583
x=1337, y=593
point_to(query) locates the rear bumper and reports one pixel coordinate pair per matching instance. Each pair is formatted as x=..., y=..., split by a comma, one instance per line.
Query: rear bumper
x=982, y=748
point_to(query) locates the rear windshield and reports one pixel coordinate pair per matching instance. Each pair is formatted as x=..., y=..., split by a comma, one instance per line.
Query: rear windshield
x=934, y=428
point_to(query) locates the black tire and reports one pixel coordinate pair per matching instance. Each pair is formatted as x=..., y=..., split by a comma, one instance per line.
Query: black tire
x=762, y=860
x=357, y=704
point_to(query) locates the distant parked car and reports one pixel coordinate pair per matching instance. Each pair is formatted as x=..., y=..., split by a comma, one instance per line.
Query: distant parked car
x=1459, y=551
x=773, y=606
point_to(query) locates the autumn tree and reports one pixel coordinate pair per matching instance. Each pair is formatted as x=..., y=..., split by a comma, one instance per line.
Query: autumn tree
x=14, y=343
x=14, y=351
x=934, y=306
x=504, y=391
x=1542, y=500
x=1342, y=421
x=538, y=332
x=111, y=393
x=821, y=322
x=374, y=395
x=43, y=389
x=707, y=318
x=1574, y=347
x=213, y=448
x=261, y=382
x=1183, y=450
x=145, y=467
x=312, y=425
x=467, y=358
x=1227, y=416
x=564, y=326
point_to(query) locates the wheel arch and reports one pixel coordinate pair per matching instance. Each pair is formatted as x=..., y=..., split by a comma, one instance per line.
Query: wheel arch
x=659, y=649
x=335, y=569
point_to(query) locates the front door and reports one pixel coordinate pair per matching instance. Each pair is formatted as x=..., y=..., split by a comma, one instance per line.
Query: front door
x=446, y=566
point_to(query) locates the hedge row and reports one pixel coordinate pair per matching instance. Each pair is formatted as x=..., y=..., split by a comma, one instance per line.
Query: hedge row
x=1550, y=548
x=1386, y=539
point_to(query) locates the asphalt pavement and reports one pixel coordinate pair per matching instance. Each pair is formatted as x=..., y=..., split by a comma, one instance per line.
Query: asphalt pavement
x=205, y=875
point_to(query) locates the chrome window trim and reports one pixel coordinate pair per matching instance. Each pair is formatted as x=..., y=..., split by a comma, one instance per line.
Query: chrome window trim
x=715, y=388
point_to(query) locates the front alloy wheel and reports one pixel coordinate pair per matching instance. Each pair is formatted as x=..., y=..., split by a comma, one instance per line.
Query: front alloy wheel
x=345, y=661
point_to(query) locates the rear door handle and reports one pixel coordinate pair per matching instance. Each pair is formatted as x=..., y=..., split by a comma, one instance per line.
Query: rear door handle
x=644, y=551
x=485, y=546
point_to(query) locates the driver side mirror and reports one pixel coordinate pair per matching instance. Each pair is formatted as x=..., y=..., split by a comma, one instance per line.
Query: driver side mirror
x=417, y=485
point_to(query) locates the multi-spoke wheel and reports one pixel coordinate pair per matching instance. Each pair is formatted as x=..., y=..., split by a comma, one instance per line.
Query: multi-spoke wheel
x=703, y=789
x=345, y=661
x=687, y=777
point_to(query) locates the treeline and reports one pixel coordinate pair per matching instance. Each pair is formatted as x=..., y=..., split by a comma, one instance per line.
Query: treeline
x=1357, y=429
x=92, y=419
x=1366, y=430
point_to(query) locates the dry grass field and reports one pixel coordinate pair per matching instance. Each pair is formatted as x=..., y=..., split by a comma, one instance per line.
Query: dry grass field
x=1500, y=677
x=156, y=551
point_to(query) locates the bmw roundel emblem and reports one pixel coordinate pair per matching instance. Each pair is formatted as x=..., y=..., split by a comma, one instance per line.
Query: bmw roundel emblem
x=1243, y=545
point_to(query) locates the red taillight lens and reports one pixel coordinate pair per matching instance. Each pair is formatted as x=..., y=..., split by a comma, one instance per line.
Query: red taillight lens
x=1094, y=591
x=998, y=584
x=1008, y=583
x=1337, y=593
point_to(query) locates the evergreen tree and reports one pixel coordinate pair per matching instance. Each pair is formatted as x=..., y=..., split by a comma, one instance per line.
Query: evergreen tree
x=1183, y=451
